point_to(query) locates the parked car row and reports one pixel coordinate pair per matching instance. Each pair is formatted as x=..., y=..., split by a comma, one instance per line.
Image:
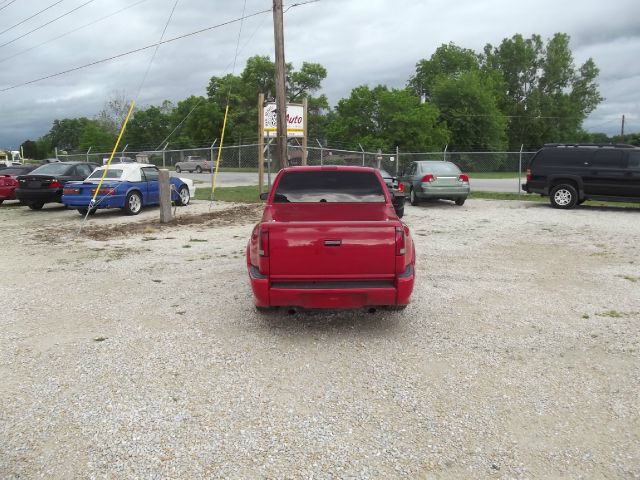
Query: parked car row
x=128, y=186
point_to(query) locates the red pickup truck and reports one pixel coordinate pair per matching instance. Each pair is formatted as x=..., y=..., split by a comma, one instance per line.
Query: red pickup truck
x=330, y=238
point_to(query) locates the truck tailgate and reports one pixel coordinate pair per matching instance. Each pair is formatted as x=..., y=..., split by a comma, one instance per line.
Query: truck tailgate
x=335, y=251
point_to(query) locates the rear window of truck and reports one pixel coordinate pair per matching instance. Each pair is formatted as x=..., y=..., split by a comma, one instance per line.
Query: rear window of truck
x=329, y=186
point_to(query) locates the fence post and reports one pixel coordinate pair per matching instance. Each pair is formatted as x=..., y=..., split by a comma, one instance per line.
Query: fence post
x=212, y=157
x=88, y=154
x=397, y=160
x=164, y=163
x=165, y=196
x=240, y=152
x=444, y=154
x=56, y=152
x=362, y=154
x=321, y=152
x=520, y=170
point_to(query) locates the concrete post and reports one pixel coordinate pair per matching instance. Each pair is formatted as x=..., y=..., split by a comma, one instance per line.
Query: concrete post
x=165, y=196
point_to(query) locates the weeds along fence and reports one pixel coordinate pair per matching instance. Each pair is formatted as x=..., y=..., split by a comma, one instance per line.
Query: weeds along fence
x=245, y=158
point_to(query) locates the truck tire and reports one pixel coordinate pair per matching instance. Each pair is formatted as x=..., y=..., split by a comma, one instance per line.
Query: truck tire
x=178, y=169
x=563, y=196
x=198, y=169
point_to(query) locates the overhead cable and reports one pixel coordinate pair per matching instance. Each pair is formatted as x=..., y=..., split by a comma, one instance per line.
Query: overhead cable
x=71, y=31
x=130, y=52
x=47, y=23
x=32, y=16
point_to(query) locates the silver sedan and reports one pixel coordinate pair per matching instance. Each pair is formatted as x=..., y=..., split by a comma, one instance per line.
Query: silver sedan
x=435, y=180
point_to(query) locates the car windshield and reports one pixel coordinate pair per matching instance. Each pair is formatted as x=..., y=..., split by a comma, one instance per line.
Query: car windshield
x=112, y=174
x=52, y=169
x=440, y=168
x=329, y=186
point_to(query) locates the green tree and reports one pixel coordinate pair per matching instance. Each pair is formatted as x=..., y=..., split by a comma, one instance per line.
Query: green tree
x=470, y=110
x=258, y=76
x=29, y=149
x=96, y=137
x=384, y=118
x=146, y=128
x=65, y=134
x=449, y=61
x=543, y=94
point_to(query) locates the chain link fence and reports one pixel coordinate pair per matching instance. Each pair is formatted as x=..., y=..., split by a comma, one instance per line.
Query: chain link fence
x=244, y=158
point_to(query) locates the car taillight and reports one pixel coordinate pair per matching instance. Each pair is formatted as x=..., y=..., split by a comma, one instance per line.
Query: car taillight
x=463, y=178
x=528, y=175
x=400, y=241
x=263, y=243
x=70, y=191
x=104, y=191
x=428, y=178
x=55, y=184
x=401, y=187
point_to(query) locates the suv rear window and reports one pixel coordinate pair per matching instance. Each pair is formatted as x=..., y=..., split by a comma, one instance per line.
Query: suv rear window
x=559, y=156
x=634, y=159
x=607, y=158
x=329, y=186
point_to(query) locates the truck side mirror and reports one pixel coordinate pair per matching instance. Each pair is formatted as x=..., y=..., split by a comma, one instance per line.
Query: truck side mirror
x=264, y=195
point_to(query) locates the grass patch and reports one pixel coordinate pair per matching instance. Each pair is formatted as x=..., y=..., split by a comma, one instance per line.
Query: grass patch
x=507, y=196
x=245, y=194
x=611, y=314
x=509, y=175
x=631, y=278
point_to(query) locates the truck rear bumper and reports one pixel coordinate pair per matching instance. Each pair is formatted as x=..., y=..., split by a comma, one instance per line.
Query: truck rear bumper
x=322, y=294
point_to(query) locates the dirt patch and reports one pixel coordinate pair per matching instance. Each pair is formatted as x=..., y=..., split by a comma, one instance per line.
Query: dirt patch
x=234, y=215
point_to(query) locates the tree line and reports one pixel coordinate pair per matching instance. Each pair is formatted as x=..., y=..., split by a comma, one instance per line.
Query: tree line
x=521, y=92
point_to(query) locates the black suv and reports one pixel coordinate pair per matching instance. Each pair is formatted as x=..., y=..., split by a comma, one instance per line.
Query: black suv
x=571, y=174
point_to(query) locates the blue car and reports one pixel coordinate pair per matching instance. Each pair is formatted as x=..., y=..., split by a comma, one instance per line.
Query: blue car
x=129, y=186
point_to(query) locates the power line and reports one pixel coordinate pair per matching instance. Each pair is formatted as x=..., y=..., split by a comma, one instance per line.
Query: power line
x=72, y=31
x=32, y=16
x=45, y=24
x=130, y=52
x=120, y=55
x=12, y=1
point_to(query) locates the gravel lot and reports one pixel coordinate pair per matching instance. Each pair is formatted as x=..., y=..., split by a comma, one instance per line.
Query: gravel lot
x=131, y=351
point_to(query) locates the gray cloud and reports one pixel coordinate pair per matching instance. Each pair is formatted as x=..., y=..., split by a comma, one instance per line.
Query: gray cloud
x=358, y=41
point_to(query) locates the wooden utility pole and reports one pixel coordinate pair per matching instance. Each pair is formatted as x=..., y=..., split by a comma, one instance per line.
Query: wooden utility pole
x=305, y=109
x=260, y=142
x=622, y=127
x=281, y=100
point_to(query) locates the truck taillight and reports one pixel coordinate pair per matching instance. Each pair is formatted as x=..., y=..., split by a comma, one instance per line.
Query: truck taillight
x=463, y=178
x=55, y=184
x=400, y=247
x=263, y=243
x=428, y=178
x=528, y=175
x=401, y=187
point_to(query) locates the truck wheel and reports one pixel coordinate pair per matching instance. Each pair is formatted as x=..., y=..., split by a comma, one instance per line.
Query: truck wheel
x=460, y=201
x=400, y=211
x=413, y=198
x=178, y=169
x=198, y=169
x=133, y=203
x=36, y=206
x=563, y=196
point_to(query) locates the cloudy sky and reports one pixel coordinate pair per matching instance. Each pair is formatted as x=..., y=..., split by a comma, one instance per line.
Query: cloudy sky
x=358, y=41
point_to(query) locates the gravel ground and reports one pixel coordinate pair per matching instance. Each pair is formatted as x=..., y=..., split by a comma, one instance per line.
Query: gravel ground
x=131, y=351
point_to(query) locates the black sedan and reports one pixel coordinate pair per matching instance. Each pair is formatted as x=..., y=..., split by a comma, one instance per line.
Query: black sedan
x=396, y=190
x=44, y=184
